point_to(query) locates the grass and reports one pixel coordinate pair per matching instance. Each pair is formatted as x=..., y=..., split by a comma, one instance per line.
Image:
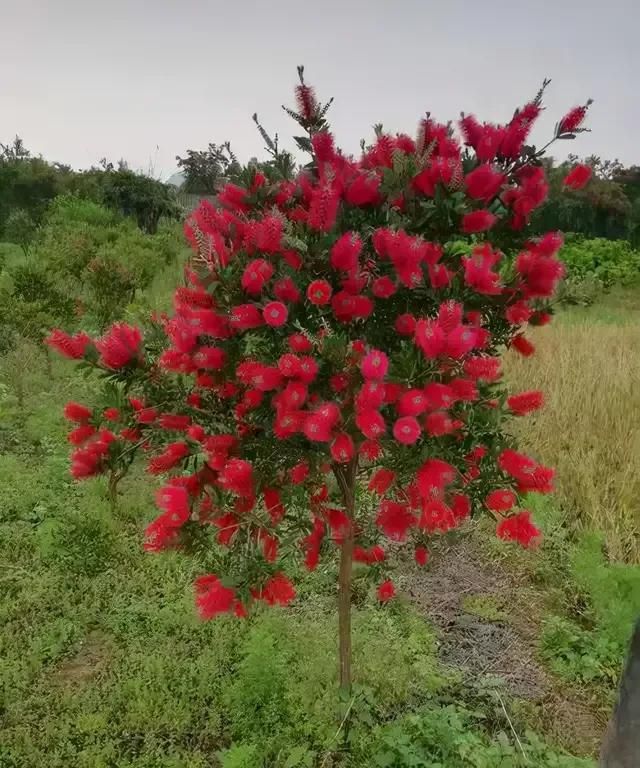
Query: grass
x=589, y=372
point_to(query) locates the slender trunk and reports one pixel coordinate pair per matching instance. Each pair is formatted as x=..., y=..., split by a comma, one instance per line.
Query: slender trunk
x=346, y=475
x=112, y=491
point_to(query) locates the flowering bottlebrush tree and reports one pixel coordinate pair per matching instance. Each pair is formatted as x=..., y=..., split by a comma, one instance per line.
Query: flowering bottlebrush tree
x=337, y=340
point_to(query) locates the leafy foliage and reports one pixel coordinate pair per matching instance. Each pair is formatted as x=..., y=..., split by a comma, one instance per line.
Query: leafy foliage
x=206, y=171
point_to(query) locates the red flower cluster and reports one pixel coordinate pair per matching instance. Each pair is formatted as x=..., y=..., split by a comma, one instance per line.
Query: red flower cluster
x=333, y=322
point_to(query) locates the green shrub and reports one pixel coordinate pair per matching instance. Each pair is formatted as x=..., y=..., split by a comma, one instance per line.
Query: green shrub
x=608, y=598
x=452, y=737
x=610, y=262
x=101, y=259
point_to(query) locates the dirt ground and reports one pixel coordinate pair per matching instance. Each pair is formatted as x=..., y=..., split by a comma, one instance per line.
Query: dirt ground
x=488, y=620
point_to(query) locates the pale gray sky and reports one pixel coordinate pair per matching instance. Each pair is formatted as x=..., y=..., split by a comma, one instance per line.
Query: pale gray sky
x=82, y=79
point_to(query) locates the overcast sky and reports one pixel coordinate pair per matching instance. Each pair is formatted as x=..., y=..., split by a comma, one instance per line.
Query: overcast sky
x=146, y=79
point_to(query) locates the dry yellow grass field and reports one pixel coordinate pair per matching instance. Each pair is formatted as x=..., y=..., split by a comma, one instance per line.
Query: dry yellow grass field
x=589, y=428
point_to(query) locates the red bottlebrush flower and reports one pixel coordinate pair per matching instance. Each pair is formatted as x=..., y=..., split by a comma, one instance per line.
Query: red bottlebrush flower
x=383, y=287
x=395, y=520
x=436, y=516
x=519, y=528
x=323, y=208
x=578, y=177
x=421, y=556
x=252, y=399
x=501, y=500
x=381, y=480
x=237, y=477
x=371, y=423
x=174, y=421
x=464, y=390
x=196, y=432
x=439, y=423
x=212, y=597
x=77, y=412
x=81, y=434
x=256, y=275
x=146, y=415
x=119, y=346
x=342, y=448
x=169, y=458
x=111, y=414
x=317, y=429
x=433, y=477
x=439, y=276
x=386, y=591
x=412, y=403
x=233, y=197
x=209, y=358
x=405, y=325
x=482, y=368
x=268, y=544
x=363, y=190
x=299, y=473
x=73, y=347
x=173, y=500
x=266, y=378
x=298, y=342
x=319, y=292
x=521, y=344
x=392, y=393
x=460, y=506
x=286, y=290
x=275, y=314
x=515, y=464
x=406, y=430
x=573, y=120
x=306, y=101
x=308, y=369
x=550, y=244
x=462, y=340
x=273, y=504
x=339, y=382
x=484, y=182
x=438, y=396
x=478, y=272
x=268, y=234
x=130, y=434
x=289, y=365
x=478, y=221
x=322, y=143
x=375, y=365
x=244, y=317
x=158, y=536
x=430, y=337
x=227, y=526
x=518, y=313
x=345, y=252
x=450, y=315
x=278, y=590
x=338, y=522
x=370, y=449
x=525, y=402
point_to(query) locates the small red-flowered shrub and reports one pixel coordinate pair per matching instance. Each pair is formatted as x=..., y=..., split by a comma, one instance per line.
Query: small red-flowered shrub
x=332, y=335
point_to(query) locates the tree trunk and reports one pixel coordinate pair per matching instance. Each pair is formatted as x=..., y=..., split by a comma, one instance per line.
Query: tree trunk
x=346, y=477
x=112, y=491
